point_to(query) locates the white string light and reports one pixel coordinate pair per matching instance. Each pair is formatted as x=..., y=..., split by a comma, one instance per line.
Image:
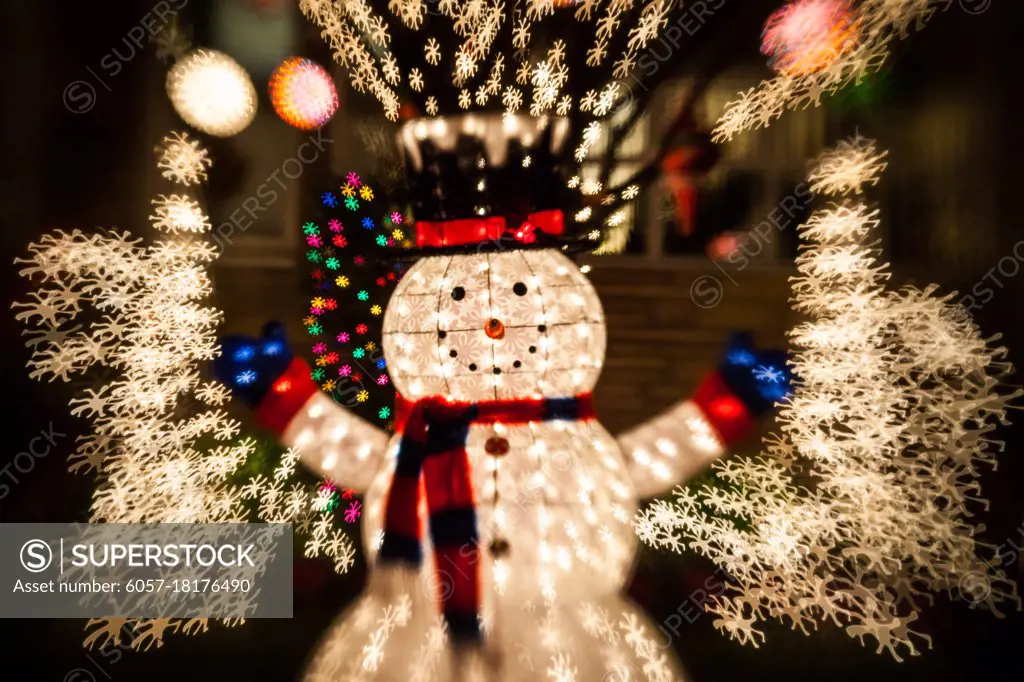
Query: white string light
x=897, y=394
x=153, y=332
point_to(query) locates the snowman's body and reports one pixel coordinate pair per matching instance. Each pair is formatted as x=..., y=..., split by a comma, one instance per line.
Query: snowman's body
x=554, y=499
x=550, y=601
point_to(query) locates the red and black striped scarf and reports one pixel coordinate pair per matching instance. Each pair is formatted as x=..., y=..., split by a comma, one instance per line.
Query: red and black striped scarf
x=432, y=461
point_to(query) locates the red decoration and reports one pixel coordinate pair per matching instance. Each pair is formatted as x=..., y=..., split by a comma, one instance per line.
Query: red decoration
x=680, y=168
x=726, y=413
x=291, y=391
x=476, y=230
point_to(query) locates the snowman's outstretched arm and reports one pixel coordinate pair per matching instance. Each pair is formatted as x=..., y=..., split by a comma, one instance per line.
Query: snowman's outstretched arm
x=677, y=444
x=332, y=442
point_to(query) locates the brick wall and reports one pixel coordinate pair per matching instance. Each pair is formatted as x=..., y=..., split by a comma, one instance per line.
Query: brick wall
x=660, y=343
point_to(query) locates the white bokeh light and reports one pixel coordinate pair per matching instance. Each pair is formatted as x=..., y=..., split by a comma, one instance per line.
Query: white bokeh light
x=212, y=93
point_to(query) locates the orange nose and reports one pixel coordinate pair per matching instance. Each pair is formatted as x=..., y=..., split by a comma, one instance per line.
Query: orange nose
x=495, y=329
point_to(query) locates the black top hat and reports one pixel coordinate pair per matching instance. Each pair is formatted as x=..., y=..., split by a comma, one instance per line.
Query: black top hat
x=483, y=182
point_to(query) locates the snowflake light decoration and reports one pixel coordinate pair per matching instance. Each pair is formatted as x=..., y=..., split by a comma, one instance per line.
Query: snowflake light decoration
x=146, y=423
x=477, y=69
x=432, y=52
x=179, y=213
x=847, y=44
x=361, y=36
x=848, y=168
x=891, y=418
x=353, y=512
x=182, y=160
x=327, y=497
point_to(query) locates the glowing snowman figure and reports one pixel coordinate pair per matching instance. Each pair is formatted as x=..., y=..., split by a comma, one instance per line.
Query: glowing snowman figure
x=500, y=539
x=553, y=498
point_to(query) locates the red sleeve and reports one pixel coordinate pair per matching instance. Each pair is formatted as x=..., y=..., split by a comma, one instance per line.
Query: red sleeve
x=727, y=413
x=286, y=397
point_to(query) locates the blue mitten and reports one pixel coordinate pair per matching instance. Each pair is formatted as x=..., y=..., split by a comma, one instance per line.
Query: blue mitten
x=759, y=378
x=250, y=366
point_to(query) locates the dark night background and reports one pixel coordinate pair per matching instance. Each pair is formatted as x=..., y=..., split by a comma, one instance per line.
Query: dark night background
x=64, y=170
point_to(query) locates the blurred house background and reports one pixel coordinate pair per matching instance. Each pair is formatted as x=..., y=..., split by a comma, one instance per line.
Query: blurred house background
x=944, y=107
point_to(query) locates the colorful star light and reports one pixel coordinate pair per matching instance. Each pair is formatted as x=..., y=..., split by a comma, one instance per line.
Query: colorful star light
x=303, y=93
x=327, y=498
x=362, y=367
x=353, y=512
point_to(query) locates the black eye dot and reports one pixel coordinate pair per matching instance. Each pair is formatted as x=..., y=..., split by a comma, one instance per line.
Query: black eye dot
x=497, y=370
x=519, y=289
x=454, y=353
x=472, y=367
x=458, y=293
x=517, y=364
x=441, y=335
x=542, y=328
x=533, y=349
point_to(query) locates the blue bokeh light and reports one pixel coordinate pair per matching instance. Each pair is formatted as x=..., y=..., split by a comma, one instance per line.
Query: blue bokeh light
x=245, y=378
x=273, y=347
x=740, y=356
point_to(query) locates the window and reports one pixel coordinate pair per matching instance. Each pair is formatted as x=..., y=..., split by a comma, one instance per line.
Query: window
x=711, y=214
x=255, y=195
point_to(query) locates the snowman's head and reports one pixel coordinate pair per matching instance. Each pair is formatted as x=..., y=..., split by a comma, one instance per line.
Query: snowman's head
x=491, y=326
